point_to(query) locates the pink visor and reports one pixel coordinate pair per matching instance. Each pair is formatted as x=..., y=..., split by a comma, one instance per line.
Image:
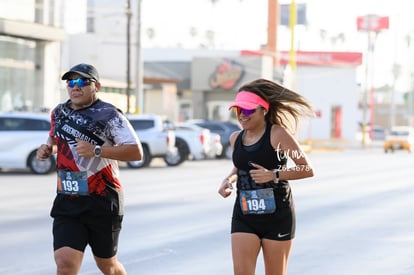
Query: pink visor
x=249, y=101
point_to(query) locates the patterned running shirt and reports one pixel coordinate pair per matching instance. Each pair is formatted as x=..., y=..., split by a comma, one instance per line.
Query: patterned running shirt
x=100, y=124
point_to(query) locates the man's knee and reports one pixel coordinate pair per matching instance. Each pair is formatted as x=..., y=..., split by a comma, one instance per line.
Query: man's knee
x=110, y=266
x=68, y=260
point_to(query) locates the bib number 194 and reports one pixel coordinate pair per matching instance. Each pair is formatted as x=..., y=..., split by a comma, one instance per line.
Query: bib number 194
x=260, y=201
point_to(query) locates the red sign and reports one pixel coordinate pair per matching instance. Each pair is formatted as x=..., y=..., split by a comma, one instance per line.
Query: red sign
x=372, y=23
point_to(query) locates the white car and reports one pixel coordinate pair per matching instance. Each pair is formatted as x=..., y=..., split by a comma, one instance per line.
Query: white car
x=216, y=148
x=198, y=142
x=195, y=141
x=399, y=138
x=21, y=133
x=223, y=128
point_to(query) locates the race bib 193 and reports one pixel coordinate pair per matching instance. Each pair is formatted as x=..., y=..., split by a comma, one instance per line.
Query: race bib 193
x=260, y=201
x=72, y=183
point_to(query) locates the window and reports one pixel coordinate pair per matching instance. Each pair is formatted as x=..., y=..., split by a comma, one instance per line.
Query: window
x=23, y=124
x=142, y=124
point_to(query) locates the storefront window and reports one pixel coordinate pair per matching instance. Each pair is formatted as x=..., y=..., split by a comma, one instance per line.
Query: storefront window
x=17, y=68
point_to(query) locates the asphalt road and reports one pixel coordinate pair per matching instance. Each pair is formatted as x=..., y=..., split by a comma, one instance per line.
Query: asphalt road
x=354, y=217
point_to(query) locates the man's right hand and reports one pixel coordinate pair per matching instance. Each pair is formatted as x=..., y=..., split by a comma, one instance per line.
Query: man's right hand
x=44, y=151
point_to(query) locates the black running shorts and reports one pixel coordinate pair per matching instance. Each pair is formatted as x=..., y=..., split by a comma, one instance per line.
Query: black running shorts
x=99, y=232
x=280, y=225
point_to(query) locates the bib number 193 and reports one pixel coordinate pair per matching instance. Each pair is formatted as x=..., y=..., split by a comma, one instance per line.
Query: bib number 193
x=72, y=183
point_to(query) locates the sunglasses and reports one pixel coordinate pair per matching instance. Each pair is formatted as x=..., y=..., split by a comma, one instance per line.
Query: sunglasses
x=245, y=112
x=81, y=82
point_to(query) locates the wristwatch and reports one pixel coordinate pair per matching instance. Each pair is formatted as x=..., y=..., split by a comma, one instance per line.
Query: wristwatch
x=97, y=151
x=276, y=171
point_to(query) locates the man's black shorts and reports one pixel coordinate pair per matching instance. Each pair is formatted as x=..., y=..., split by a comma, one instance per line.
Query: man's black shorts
x=99, y=232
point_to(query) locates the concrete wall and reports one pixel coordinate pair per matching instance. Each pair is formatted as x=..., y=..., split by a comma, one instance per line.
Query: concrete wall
x=328, y=87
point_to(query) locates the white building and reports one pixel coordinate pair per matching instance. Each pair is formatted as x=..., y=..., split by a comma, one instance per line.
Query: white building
x=30, y=54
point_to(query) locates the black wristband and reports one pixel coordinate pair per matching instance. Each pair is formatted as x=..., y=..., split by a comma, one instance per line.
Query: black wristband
x=276, y=171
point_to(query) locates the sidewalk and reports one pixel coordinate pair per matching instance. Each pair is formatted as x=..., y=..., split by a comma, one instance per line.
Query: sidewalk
x=338, y=145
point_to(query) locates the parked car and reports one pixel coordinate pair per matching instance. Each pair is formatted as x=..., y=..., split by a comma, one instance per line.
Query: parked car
x=399, y=138
x=158, y=140
x=379, y=133
x=21, y=133
x=216, y=148
x=224, y=129
x=192, y=141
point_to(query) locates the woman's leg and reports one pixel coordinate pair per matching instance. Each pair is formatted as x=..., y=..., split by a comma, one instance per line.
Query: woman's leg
x=276, y=255
x=245, y=249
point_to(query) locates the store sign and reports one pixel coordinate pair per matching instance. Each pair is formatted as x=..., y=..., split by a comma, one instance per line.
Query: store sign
x=372, y=23
x=226, y=75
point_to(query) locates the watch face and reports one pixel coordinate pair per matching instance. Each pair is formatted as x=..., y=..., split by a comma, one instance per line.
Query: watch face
x=97, y=151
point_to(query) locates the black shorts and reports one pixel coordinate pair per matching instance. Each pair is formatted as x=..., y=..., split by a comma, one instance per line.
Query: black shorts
x=99, y=232
x=280, y=225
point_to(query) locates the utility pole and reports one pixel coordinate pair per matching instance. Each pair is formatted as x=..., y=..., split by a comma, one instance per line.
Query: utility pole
x=139, y=67
x=292, y=50
x=128, y=46
x=272, y=24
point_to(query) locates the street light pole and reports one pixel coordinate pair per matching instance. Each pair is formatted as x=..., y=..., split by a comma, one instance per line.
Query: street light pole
x=396, y=71
x=410, y=96
x=372, y=24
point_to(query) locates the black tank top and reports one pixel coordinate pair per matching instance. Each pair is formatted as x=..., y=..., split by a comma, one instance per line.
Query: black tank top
x=262, y=153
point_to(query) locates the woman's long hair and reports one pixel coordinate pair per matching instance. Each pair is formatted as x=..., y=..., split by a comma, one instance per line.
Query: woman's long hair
x=286, y=107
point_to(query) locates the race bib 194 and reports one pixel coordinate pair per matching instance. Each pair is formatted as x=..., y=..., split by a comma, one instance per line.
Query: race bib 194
x=260, y=201
x=72, y=183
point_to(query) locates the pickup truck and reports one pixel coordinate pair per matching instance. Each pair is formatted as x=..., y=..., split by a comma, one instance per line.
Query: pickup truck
x=196, y=143
x=192, y=141
x=222, y=128
x=157, y=138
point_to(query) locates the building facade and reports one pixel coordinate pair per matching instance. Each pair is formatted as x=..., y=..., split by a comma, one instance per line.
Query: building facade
x=30, y=54
x=182, y=84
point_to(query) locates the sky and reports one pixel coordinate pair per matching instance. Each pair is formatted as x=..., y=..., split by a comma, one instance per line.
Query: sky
x=242, y=24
